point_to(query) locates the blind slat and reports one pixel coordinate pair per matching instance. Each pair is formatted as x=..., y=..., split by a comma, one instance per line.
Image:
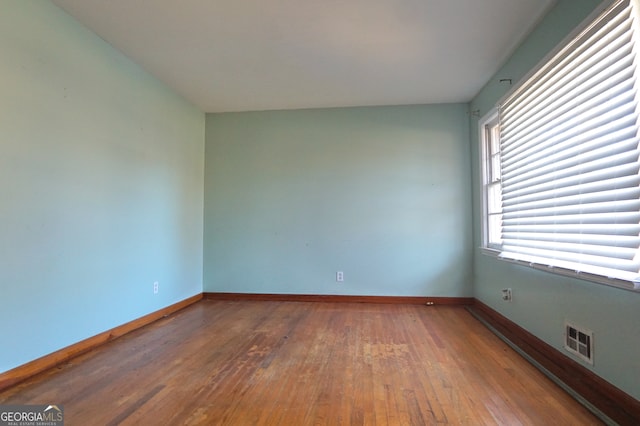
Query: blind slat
x=588, y=218
x=572, y=156
x=594, y=239
x=605, y=208
x=596, y=191
x=591, y=81
x=577, y=179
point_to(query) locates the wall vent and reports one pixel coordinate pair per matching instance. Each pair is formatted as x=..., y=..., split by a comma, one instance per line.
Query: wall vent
x=579, y=341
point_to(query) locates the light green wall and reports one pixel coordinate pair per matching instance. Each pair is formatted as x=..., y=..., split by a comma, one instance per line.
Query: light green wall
x=380, y=193
x=101, y=186
x=542, y=301
x=101, y=182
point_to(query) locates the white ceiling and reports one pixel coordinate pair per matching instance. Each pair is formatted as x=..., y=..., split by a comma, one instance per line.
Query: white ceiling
x=245, y=55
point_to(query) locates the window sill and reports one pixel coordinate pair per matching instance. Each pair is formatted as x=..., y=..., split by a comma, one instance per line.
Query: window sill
x=611, y=282
x=488, y=251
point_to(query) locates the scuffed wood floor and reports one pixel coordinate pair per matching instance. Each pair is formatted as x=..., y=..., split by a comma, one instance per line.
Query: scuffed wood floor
x=298, y=363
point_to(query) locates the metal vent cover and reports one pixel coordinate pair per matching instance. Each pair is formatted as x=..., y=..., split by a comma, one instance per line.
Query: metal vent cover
x=579, y=341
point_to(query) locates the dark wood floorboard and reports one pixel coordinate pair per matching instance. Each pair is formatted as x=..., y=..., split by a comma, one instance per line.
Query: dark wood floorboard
x=300, y=363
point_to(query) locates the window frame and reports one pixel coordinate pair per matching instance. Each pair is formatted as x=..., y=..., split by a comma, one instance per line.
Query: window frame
x=485, y=126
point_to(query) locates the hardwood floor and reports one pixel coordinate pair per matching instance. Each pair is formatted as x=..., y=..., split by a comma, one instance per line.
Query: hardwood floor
x=300, y=363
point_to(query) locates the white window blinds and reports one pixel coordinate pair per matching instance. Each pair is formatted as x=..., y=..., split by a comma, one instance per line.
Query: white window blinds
x=570, y=156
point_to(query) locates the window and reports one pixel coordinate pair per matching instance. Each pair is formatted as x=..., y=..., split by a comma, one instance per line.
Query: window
x=492, y=188
x=562, y=158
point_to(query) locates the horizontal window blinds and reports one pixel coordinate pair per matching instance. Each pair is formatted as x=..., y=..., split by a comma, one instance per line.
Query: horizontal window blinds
x=570, y=156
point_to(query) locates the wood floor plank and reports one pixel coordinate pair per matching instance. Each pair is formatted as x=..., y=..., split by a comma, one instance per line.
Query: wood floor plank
x=224, y=362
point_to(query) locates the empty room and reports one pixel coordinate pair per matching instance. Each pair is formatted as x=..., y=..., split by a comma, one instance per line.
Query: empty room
x=385, y=212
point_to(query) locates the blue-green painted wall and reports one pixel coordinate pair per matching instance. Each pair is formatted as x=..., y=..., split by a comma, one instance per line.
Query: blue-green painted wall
x=101, y=186
x=101, y=194
x=380, y=193
x=542, y=301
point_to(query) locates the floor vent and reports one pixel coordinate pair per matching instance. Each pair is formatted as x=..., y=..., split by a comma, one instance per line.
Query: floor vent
x=579, y=342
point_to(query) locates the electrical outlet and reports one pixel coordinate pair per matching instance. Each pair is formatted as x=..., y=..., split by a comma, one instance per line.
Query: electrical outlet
x=339, y=276
x=507, y=295
x=155, y=287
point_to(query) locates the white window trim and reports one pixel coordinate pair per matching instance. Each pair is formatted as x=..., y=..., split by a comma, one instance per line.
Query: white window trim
x=490, y=118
